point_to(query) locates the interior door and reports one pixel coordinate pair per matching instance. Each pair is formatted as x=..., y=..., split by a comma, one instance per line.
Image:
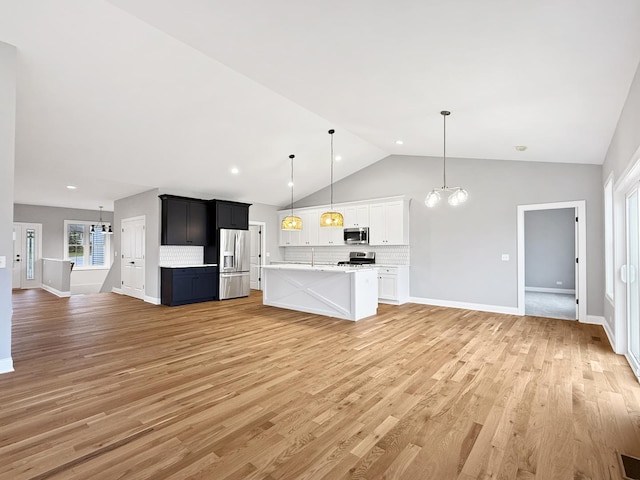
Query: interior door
x=133, y=252
x=630, y=274
x=27, y=255
x=256, y=256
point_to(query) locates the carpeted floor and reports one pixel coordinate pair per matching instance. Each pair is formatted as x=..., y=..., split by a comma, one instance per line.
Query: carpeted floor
x=551, y=305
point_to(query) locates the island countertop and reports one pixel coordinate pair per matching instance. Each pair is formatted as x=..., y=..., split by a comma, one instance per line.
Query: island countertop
x=346, y=292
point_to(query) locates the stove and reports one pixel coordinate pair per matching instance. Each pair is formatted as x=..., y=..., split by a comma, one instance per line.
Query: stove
x=360, y=259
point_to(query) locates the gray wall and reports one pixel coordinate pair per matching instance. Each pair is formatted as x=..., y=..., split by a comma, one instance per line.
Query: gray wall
x=456, y=252
x=7, y=162
x=268, y=214
x=549, y=237
x=52, y=220
x=147, y=204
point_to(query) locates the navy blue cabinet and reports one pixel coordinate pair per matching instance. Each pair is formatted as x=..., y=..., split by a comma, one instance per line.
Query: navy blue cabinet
x=180, y=286
x=184, y=221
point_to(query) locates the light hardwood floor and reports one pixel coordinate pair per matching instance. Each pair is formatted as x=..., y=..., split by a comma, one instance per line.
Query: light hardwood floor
x=108, y=387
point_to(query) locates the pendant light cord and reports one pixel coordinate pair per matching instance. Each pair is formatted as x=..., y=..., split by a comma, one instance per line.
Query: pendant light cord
x=331, y=132
x=444, y=114
x=292, y=157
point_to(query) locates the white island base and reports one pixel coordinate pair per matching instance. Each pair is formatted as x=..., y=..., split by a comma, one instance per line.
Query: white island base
x=342, y=292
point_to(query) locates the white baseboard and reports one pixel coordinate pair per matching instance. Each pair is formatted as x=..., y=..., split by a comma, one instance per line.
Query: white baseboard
x=468, y=306
x=6, y=365
x=549, y=290
x=595, y=320
x=56, y=292
x=117, y=290
x=152, y=300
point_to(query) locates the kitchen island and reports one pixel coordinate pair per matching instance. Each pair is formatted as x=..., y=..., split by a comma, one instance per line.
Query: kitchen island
x=346, y=292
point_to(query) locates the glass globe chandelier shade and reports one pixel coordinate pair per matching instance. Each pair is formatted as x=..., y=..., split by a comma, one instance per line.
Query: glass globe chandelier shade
x=291, y=222
x=331, y=218
x=459, y=195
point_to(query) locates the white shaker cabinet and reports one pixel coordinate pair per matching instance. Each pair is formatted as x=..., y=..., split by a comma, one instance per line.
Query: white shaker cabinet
x=356, y=216
x=388, y=223
x=310, y=227
x=393, y=284
x=288, y=238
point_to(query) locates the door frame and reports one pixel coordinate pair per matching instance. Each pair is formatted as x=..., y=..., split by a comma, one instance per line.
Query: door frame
x=144, y=289
x=37, y=282
x=263, y=249
x=581, y=252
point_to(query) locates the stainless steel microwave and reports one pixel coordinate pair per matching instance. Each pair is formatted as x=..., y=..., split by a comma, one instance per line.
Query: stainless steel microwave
x=356, y=236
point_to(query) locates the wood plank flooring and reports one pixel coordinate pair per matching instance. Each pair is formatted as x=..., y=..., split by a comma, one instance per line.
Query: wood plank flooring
x=108, y=387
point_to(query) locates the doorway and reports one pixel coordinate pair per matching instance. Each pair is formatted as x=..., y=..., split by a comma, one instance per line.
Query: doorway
x=256, y=235
x=565, y=284
x=27, y=255
x=132, y=244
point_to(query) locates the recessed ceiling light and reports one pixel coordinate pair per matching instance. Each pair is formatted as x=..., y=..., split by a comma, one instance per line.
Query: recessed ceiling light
x=235, y=170
x=521, y=148
x=71, y=187
x=338, y=158
x=399, y=142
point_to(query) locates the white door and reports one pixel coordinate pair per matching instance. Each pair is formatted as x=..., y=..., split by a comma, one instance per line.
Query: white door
x=132, y=264
x=27, y=255
x=255, y=233
x=630, y=274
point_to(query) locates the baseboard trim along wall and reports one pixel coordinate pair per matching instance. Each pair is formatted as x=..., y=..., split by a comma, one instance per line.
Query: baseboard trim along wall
x=152, y=300
x=116, y=290
x=6, y=365
x=55, y=291
x=467, y=306
x=550, y=290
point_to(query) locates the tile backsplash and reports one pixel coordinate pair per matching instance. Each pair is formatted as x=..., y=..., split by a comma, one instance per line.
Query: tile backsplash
x=181, y=255
x=386, y=255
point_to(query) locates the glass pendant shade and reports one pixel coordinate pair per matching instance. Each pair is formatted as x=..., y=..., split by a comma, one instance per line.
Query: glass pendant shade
x=291, y=222
x=331, y=219
x=459, y=195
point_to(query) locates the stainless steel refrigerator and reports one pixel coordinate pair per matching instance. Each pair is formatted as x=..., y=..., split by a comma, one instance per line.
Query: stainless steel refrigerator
x=234, y=263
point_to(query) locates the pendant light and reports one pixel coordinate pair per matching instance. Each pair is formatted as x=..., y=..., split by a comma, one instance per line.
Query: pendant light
x=459, y=195
x=291, y=222
x=101, y=227
x=331, y=218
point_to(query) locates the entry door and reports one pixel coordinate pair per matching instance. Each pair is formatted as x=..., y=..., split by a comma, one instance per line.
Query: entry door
x=255, y=232
x=27, y=255
x=132, y=264
x=631, y=276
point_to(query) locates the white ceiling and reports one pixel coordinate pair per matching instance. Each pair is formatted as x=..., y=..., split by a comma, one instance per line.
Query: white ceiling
x=121, y=96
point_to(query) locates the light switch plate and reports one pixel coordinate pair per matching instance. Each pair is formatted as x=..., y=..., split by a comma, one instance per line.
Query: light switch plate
x=3, y=261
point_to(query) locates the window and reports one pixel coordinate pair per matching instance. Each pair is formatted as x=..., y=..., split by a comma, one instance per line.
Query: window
x=608, y=238
x=84, y=247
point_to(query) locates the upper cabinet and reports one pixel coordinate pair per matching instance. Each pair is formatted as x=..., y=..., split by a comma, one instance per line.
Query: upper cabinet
x=356, y=216
x=184, y=221
x=387, y=219
x=233, y=215
x=389, y=223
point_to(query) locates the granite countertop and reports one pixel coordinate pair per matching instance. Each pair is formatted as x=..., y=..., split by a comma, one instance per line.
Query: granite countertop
x=317, y=268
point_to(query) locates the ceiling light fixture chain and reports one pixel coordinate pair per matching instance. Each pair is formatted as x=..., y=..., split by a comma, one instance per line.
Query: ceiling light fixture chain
x=331, y=218
x=291, y=222
x=459, y=194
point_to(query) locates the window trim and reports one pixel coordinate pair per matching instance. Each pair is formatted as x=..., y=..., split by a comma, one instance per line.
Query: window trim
x=107, y=245
x=609, y=240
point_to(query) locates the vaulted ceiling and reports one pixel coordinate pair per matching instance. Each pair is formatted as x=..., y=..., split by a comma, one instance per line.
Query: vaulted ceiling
x=119, y=96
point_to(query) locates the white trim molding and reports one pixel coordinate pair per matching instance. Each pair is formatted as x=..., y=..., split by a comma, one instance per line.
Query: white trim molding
x=467, y=306
x=117, y=290
x=581, y=253
x=55, y=291
x=151, y=300
x=6, y=365
x=549, y=290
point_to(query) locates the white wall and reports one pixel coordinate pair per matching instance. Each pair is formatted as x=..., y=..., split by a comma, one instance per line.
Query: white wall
x=7, y=163
x=268, y=214
x=456, y=252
